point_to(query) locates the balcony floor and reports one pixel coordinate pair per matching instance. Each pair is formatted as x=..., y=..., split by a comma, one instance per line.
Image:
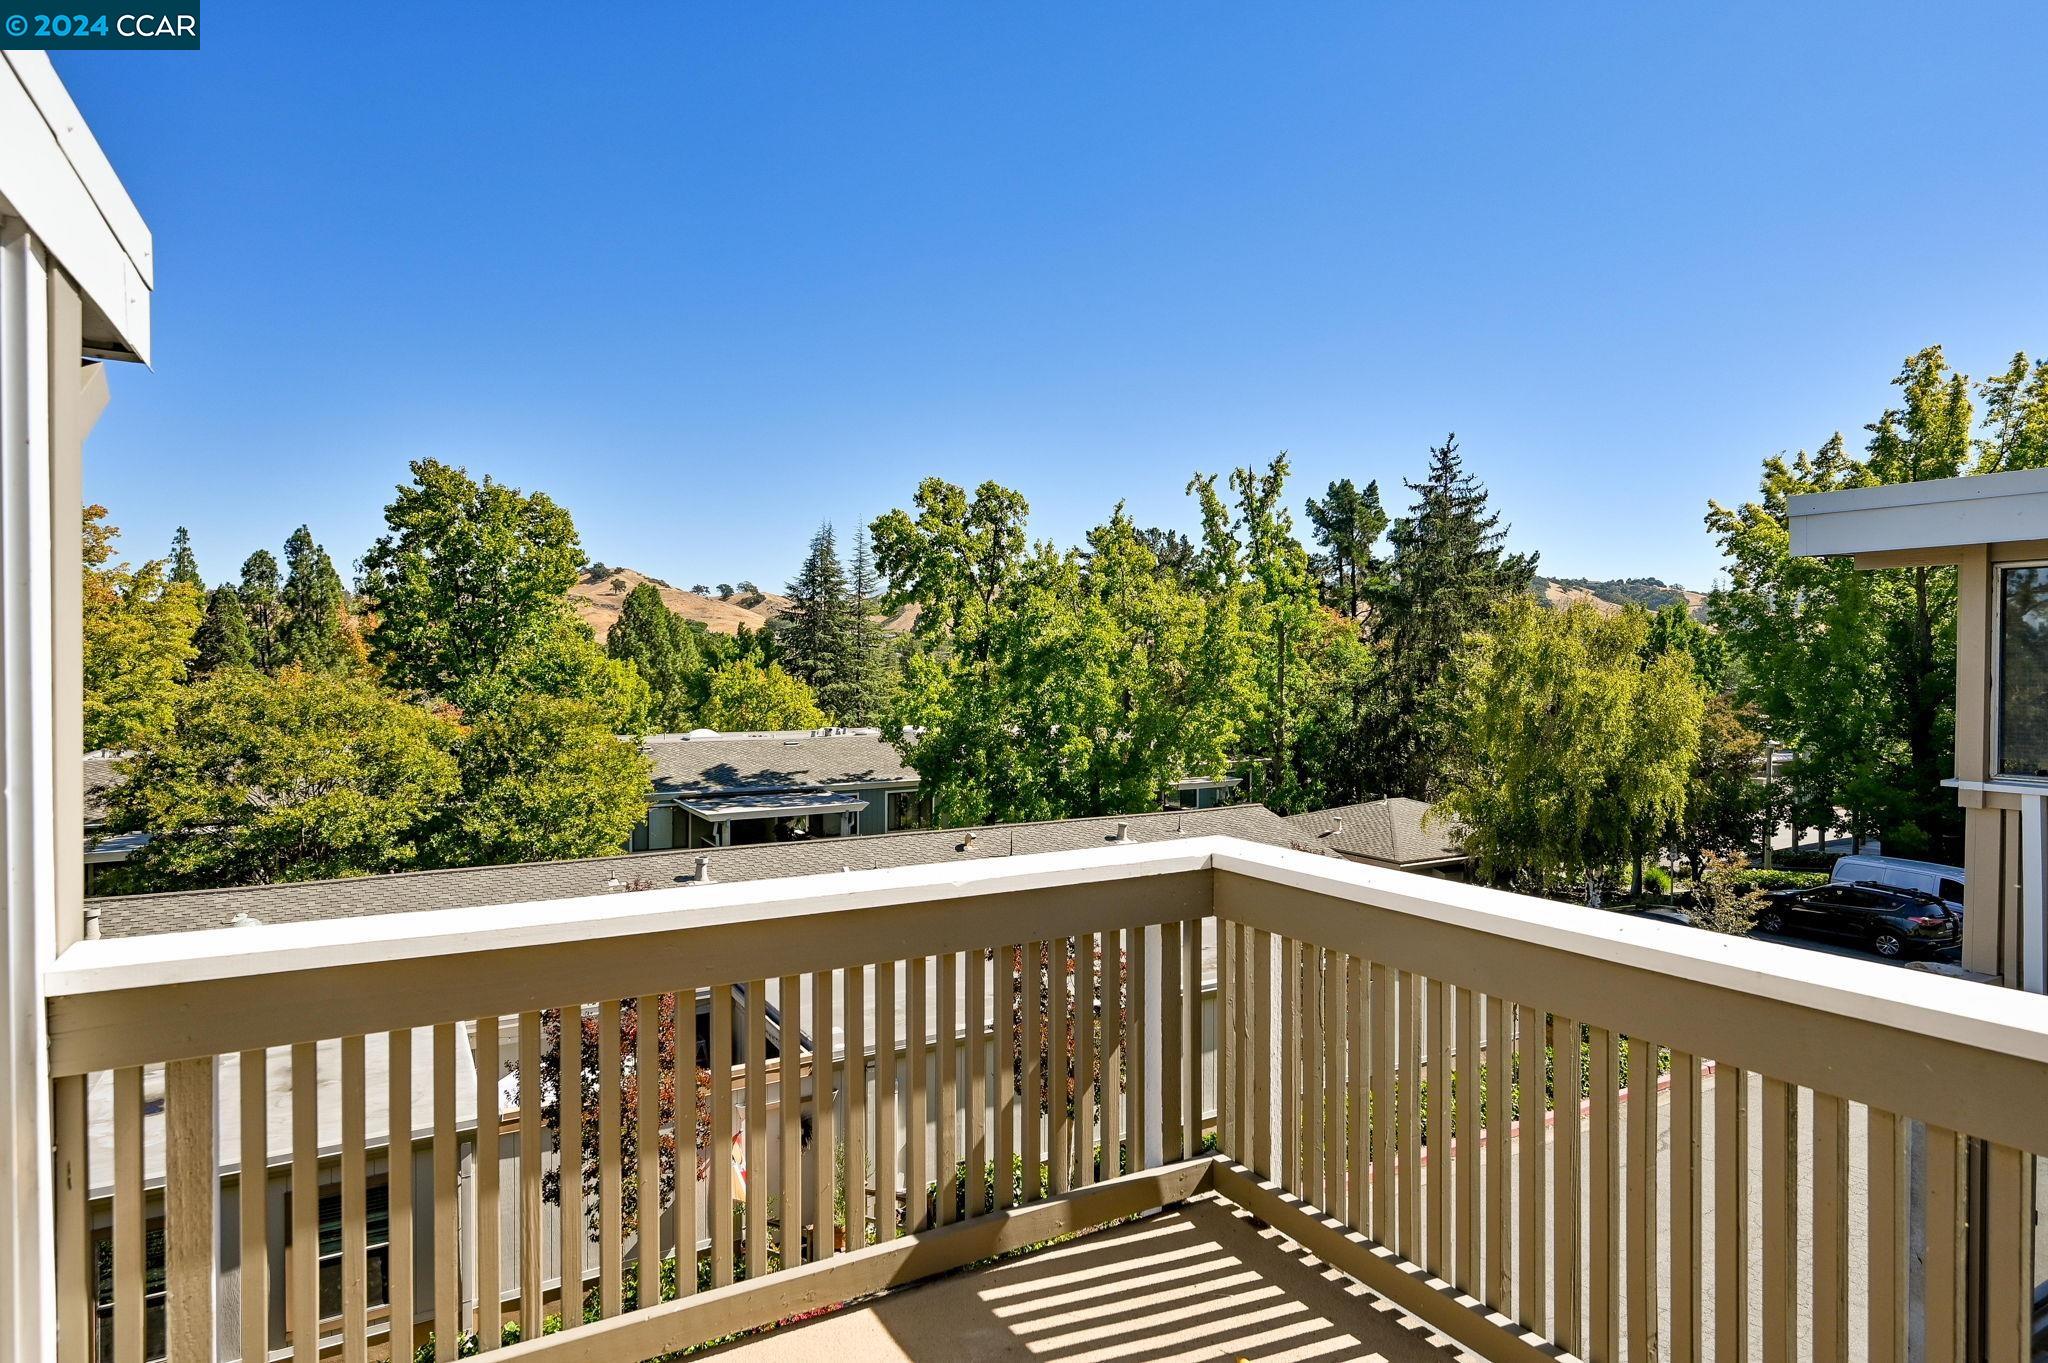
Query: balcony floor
x=1200, y=1281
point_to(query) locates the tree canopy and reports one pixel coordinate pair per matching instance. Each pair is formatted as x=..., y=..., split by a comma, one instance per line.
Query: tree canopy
x=138, y=627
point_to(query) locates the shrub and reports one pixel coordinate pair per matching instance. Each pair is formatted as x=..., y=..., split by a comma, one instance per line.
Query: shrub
x=1726, y=899
x=1756, y=878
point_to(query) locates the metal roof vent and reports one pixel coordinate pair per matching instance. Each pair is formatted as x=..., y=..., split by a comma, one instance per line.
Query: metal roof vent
x=703, y=870
x=92, y=922
x=1123, y=831
x=244, y=919
x=966, y=843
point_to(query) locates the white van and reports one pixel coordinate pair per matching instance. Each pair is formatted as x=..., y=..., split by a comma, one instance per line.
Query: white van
x=1929, y=877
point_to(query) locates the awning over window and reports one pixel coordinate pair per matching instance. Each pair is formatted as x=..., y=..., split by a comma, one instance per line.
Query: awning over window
x=780, y=804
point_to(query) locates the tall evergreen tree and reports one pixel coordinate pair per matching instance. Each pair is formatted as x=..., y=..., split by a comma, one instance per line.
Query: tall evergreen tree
x=869, y=652
x=1447, y=569
x=314, y=631
x=1348, y=523
x=184, y=565
x=263, y=606
x=223, y=637
x=818, y=634
x=662, y=646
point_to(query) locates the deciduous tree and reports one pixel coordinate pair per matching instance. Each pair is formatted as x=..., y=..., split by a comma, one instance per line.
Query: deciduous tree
x=260, y=779
x=746, y=696
x=664, y=649
x=138, y=627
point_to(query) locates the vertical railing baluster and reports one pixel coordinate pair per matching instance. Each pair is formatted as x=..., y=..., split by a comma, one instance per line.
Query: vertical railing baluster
x=1437, y=1113
x=192, y=1206
x=252, y=1202
x=1084, y=1059
x=1603, y=1202
x=1947, y=1200
x=1467, y=1103
x=447, y=1185
x=689, y=1103
x=489, y=1296
x=1191, y=1035
x=885, y=1100
x=1731, y=1212
x=1500, y=1152
x=399, y=1276
x=1566, y=1183
x=789, y=1102
x=1003, y=1079
x=947, y=1172
x=1311, y=994
x=720, y=1207
x=1335, y=1022
x=1382, y=1116
x=1780, y=1174
x=1173, y=1042
x=1111, y=1068
x=1687, y=1341
x=1533, y=1164
x=1889, y=1293
x=916, y=1104
x=755, y=1140
x=2009, y=1268
x=569, y=1161
x=303, y=1290
x=1290, y=1065
x=856, y=1085
x=1259, y=1055
x=647, y=1146
x=355, y=1241
x=1643, y=1237
x=976, y=985
x=1140, y=1028
x=611, y=1181
x=824, y=1115
x=532, y=1305
x=1410, y=1144
x=1831, y=1190
x=1357, y=1091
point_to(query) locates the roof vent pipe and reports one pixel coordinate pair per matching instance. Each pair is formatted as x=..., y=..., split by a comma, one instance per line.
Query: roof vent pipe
x=1336, y=824
x=92, y=922
x=243, y=919
x=1123, y=830
x=703, y=870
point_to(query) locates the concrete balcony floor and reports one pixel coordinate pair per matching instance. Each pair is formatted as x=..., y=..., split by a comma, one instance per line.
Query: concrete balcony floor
x=1199, y=1281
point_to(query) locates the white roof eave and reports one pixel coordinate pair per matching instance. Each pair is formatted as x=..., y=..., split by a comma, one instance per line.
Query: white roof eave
x=1942, y=513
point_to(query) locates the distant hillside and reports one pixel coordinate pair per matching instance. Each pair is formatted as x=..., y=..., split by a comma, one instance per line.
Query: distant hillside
x=1614, y=593
x=600, y=594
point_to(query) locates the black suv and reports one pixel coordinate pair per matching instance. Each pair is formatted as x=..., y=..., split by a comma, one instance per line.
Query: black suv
x=1891, y=922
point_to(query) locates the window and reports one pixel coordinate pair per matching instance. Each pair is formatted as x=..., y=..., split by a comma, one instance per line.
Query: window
x=2022, y=672
x=153, y=1343
x=907, y=809
x=377, y=1232
x=1951, y=890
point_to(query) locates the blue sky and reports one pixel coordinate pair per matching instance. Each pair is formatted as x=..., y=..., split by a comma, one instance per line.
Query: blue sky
x=710, y=274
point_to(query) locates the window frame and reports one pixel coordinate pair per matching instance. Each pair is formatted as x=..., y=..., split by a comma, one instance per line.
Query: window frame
x=1997, y=754
x=375, y=1313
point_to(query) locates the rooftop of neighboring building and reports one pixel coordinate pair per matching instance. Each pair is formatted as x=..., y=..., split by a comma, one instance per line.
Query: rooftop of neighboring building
x=1390, y=832
x=472, y=887
x=705, y=761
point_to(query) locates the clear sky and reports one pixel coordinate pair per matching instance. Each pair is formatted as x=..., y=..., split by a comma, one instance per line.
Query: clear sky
x=712, y=273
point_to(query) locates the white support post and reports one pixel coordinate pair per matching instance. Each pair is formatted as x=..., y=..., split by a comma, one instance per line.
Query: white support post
x=28, y=835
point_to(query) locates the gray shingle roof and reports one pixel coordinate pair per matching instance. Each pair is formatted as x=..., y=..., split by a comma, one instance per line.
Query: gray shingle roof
x=100, y=777
x=1391, y=832
x=406, y=892
x=733, y=762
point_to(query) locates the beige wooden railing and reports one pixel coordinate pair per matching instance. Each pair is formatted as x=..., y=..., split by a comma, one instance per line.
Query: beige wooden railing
x=1372, y=1036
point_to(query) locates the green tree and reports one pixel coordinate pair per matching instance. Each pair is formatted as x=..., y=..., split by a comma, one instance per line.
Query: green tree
x=544, y=778
x=137, y=627
x=1573, y=742
x=745, y=696
x=469, y=578
x=263, y=607
x=872, y=684
x=1854, y=671
x=1446, y=572
x=1348, y=524
x=1724, y=794
x=223, y=637
x=664, y=649
x=953, y=559
x=315, y=632
x=297, y=776
x=1674, y=630
x=184, y=563
x=817, y=634
x=2015, y=418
